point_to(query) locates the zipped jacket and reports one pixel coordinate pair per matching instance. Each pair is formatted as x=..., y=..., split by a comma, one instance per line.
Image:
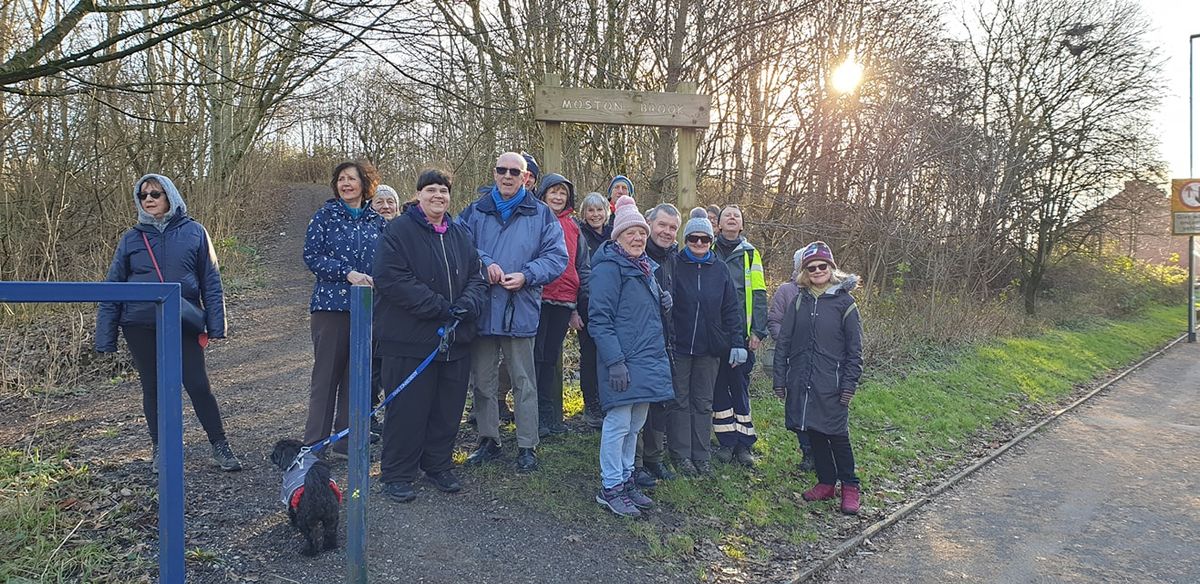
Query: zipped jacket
x=707, y=317
x=420, y=275
x=746, y=271
x=336, y=244
x=818, y=358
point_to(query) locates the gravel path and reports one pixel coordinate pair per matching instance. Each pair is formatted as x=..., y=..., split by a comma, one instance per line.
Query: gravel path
x=260, y=376
x=1107, y=494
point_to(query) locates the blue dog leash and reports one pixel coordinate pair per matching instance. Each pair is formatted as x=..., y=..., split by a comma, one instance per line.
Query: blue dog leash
x=446, y=334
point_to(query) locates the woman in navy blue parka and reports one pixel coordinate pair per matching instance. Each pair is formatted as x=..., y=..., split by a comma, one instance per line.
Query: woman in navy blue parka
x=168, y=246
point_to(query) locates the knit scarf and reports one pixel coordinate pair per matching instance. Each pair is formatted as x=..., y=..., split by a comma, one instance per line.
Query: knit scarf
x=642, y=262
x=354, y=213
x=506, y=207
x=726, y=246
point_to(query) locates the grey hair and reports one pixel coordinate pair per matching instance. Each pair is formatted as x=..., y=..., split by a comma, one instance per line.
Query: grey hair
x=667, y=208
x=594, y=199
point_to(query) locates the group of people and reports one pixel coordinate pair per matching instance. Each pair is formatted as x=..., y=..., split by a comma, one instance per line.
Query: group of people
x=667, y=333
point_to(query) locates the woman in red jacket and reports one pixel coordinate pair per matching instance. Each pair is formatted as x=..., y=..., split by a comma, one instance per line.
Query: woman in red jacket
x=560, y=301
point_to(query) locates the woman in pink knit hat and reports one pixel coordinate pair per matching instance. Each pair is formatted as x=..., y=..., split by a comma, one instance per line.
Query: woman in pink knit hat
x=625, y=320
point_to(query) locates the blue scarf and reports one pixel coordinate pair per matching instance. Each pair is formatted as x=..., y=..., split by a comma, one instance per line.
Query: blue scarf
x=354, y=213
x=687, y=251
x=506, y=208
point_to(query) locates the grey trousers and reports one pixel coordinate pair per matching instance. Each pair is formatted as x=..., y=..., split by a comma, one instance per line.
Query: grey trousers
x=689, y=415
x=485, y=367
x=329, y=391
x=651, y=443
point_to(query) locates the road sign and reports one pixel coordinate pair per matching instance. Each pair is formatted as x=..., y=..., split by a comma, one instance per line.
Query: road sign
x=1185, y=206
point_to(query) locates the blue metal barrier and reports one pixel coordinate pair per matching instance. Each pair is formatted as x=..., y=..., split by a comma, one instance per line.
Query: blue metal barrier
x=170, y=386
x=360, y=438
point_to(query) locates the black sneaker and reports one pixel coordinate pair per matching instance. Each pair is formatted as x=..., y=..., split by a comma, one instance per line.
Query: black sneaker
x=644, y=479
x=223, y=455
x=526, y=460
x=400, y=492
x=660, y=471
x=488, y=449
x=445, y=481
x=558, y=429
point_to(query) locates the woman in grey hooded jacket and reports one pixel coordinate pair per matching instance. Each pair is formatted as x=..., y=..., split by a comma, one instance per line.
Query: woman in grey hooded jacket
x=818, y=361
x=168, y=246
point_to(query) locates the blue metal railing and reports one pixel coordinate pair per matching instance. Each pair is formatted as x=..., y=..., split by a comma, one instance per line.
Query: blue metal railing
x=170, y=386
x=359, y=447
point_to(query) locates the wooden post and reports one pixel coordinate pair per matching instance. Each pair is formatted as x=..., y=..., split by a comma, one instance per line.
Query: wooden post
x=552, y=142
x=688, y=142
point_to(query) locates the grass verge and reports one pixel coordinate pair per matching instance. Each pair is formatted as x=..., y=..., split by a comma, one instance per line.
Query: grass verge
x=58, y=525
x=909, y=428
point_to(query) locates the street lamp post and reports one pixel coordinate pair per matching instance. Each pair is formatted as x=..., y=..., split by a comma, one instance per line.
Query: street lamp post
x=1191, y=284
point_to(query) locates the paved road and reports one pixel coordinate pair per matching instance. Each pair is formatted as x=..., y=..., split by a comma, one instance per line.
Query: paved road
x=1109, y=493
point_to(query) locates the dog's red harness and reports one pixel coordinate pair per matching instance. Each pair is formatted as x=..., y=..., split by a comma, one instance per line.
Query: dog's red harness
x=295, y=501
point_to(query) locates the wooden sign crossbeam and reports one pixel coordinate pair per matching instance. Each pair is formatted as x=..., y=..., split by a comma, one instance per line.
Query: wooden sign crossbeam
x=610, y=106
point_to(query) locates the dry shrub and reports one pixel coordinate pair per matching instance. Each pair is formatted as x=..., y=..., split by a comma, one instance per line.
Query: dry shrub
x=53, y=350
x=1083, y=287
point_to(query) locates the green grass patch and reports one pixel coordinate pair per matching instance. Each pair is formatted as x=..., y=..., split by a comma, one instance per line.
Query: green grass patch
x=908, y=427
x=49, y=518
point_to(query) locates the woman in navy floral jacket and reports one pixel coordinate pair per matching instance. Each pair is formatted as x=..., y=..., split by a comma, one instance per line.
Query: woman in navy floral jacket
x=339, y=248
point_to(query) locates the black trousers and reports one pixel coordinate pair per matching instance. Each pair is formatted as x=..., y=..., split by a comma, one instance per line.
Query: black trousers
x=144, y=347
x=589, y=379
x=547, y=350
x=833, y=458
x=421, y=423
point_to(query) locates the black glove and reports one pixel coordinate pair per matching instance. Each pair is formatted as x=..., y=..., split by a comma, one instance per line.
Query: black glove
x=459, y=312
x=618, y=376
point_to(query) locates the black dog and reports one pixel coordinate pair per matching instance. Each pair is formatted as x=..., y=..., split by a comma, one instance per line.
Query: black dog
x=312, y=498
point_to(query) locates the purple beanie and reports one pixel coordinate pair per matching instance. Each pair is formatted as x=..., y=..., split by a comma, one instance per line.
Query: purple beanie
x=627, y=216
x=814, y=251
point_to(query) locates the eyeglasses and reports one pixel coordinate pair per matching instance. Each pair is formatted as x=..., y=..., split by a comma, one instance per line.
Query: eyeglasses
x=500, y=170
x=817, y=268
x=152, y=194
x=699, y=239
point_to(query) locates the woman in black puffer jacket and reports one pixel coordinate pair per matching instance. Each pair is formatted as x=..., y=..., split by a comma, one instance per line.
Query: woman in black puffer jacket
x=168, y=246
x=818, y=360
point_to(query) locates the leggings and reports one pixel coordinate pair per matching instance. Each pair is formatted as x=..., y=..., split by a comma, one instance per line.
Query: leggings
x=144, y=347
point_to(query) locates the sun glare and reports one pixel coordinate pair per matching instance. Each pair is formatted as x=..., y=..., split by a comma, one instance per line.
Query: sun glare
x=847, y=76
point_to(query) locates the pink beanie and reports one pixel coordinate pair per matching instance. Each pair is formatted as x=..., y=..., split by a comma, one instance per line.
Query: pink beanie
x=627, y=216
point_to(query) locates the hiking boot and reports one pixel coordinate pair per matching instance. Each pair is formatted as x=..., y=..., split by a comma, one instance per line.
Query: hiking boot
x=686, y=468
x=400, y=492
x=618, y=501
x=807, y=464
x=639, y=499
x=703, y=468
x=660, y=471
x=488, y=449
x=850, y=499
x=444, y=481
x=821, y=492
x=223, y=455
x=558, y=429
x=526, y=460
x=724, y=454
x=743, y=456
x=593, y=420
x=643, y=479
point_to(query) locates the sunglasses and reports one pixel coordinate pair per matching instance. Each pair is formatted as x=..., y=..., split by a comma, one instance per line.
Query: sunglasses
x=699, y=239
x=152, y=194
x=500, y=170
x=817, y=268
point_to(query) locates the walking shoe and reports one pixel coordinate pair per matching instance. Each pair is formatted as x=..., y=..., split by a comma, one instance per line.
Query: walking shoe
x=821, y=492
x=526, y=460
x=850, y=499
x=618, y=501
x=660, y=471
x=400, y=492
x=593, y=420
x=724, y=454
x=644, y=479
x=686, y=468
x=744, y=456
x=703, y=468
x=639, y=499
x=488, y=449
x=223, y=455
x=445, y=481
x=558, y=429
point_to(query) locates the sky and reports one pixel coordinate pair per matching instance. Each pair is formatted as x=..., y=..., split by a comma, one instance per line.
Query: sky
x=1173, y=21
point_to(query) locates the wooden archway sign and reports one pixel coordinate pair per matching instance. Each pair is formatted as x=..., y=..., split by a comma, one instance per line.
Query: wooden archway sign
x=553, y=105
